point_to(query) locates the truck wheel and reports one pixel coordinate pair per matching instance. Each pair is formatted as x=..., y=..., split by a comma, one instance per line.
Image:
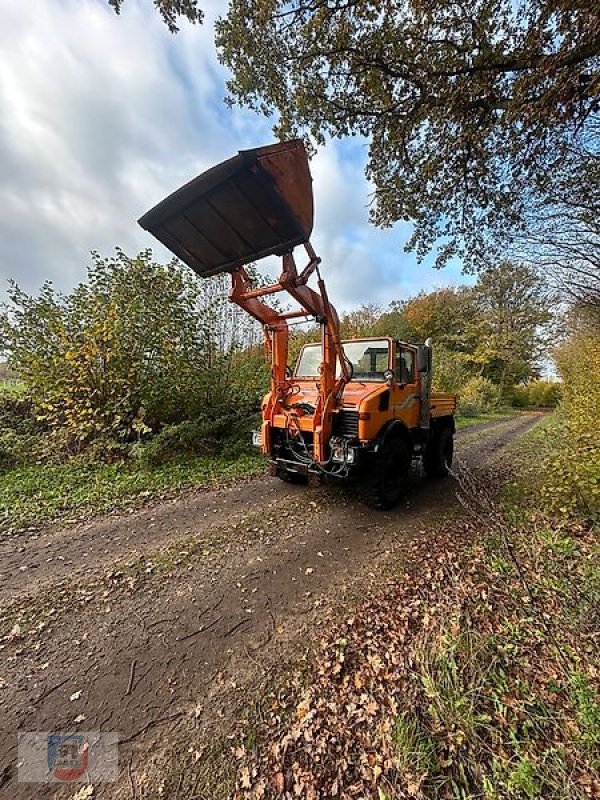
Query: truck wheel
x=437, y=458
x=291, y=477
x=386, y=481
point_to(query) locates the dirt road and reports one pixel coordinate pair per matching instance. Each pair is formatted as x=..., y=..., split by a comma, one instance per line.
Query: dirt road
x=143, y=622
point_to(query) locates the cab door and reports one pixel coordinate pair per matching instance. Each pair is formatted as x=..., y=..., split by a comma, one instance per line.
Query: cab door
x=405, y=394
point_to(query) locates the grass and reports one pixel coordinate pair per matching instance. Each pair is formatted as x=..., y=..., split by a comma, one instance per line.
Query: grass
x=509, y=688
x=38, y=493
x=12, y=386
x=488, y=416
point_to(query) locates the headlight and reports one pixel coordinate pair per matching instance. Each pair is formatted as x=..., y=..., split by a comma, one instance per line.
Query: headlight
x=338, y=451
x=341, y=453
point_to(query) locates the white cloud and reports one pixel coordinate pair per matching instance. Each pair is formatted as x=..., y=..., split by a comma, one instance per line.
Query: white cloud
x=102, y=116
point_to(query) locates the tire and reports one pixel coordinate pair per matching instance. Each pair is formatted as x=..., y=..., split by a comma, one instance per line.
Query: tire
x=437, y=458
x=292, y=477
x=387, y=478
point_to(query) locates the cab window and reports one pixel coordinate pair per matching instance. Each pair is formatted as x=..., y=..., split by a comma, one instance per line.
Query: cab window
x=405, y=365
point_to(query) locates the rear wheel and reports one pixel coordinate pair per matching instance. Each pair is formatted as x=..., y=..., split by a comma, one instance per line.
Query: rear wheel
x=437, y=458
x=386, y=481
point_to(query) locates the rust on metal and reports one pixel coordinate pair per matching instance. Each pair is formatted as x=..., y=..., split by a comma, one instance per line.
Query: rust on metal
x=256, y=204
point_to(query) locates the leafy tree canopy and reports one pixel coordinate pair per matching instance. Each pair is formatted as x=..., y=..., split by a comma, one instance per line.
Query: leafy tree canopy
x=474, y=111
x=499, y=329
x=511, y=323
x=446, y=315
x=483, y=118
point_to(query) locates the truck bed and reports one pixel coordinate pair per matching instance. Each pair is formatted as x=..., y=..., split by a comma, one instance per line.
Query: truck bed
x=443, y=404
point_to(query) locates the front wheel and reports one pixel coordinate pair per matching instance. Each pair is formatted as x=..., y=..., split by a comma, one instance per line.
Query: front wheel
x=387, y=478
x=292, y=477
x=437, y=458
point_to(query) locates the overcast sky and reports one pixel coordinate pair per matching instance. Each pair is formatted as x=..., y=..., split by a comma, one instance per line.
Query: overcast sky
x=102, y=116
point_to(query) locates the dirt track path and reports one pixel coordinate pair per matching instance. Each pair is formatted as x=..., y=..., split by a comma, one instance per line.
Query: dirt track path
x=56, y=554
x=149, y=637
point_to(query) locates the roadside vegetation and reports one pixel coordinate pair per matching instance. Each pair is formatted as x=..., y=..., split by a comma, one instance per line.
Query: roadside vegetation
x=144, y=379
x=474, y=671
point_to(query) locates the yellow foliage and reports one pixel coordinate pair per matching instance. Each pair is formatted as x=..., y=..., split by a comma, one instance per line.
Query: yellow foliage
x=572, y=469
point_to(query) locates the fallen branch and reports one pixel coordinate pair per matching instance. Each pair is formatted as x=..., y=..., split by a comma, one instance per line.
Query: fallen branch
x=235, y=627
x=151, y=724
x=201, y=629
x=49, y=691
x=131, y=677
x=131, y=781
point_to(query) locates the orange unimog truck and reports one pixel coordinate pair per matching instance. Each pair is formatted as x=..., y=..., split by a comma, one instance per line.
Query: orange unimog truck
x=361, y=408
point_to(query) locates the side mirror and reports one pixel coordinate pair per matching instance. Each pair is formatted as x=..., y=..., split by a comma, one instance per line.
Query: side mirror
x=389, y=376
x=424, y=358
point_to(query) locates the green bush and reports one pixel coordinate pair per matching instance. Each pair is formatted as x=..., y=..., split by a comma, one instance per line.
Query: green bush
x=451, y=370
x=571, y=464
x=12, y=449
x=19, y=430
x=539, y=394
x=520, y=397
x=16, y=414
x=477, y=396
x=136, y=347
x=544, y=394
x=226, y=433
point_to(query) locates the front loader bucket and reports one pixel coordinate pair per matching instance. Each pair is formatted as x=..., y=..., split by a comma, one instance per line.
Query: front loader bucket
x=256, y=204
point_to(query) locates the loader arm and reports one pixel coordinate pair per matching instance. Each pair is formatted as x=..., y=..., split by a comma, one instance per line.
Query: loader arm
x=256, y=204
x=275, y=326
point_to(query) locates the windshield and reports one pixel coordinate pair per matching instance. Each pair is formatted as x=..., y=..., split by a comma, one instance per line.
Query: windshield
x=369, y=359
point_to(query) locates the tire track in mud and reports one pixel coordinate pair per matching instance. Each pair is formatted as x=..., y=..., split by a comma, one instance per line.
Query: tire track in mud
x=155, y=655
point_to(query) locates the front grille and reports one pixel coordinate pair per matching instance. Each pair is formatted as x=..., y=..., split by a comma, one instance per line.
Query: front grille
x=346, y=424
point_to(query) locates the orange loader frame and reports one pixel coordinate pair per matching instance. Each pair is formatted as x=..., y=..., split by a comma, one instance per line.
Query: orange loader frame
x=276, y=330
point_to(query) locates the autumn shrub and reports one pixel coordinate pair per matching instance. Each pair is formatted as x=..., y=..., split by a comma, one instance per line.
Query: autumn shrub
x=19, y=430
x=451, y=370
x=248, y=376
x=16, y=413
x=544, y=394
x=537, y=394
x=11, y=451
x=137, y=347
x=571, y=463
x=478, y=395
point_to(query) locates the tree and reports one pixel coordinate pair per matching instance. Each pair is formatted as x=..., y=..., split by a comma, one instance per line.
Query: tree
x=361, y=322
x=444, y=315
x=171, y=11
x=561, y=238
x=511, y=324
x=474, y=111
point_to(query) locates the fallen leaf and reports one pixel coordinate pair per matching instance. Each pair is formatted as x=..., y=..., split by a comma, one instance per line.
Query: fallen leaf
x=279, y=782
x=15, y=632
